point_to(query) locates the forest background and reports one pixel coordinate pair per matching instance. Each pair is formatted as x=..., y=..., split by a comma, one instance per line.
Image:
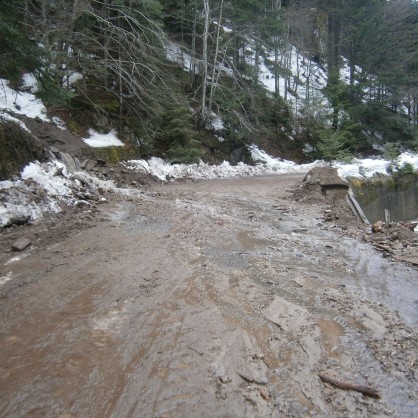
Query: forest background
x=187, y=79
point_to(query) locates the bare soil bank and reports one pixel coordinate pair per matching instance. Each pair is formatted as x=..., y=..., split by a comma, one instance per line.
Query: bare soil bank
x=209, y=299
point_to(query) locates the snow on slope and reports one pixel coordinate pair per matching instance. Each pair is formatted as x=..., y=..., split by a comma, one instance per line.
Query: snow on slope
x=265, y=165
x=369, y=167
x=45, y=188
x=27, y=104
x=306, y=81
x=20, y=102
x=98, y=140
x=52, y=190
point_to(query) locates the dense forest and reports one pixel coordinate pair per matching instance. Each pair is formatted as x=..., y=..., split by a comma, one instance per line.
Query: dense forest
x=190, y=79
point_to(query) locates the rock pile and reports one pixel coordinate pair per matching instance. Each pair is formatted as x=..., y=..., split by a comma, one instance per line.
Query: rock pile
x=396, y=240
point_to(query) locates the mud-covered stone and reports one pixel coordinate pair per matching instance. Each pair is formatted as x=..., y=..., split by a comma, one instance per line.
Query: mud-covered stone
x=21, y=244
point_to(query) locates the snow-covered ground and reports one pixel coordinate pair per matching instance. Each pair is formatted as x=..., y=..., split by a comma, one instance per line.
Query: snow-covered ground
x=265, y=165
x=304, y=83
x=98, y=140
x=45, y=188
x=55, y=190
x=24, y=102
x=20, y=102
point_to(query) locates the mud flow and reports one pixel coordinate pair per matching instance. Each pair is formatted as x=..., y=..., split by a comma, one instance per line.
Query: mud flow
x=221, y=298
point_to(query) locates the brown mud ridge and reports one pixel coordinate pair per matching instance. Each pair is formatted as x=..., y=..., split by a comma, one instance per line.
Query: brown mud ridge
x=206, y=299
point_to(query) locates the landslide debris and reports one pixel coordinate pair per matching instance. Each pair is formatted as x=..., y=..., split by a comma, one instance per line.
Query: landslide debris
x=323, y=185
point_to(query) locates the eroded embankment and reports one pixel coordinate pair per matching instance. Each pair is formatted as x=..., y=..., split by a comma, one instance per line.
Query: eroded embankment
x=398, y=194
x=218, y=298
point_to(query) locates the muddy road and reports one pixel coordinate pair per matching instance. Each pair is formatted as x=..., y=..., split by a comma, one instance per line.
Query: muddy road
x=212, y=299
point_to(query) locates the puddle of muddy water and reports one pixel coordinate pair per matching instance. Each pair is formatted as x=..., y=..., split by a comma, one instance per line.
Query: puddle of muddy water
x=357, y=270
x=352, y=265
x=331, y=331
x=379, y=280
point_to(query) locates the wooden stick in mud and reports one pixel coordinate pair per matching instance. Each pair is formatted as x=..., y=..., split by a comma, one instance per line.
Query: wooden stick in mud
x=365, y=390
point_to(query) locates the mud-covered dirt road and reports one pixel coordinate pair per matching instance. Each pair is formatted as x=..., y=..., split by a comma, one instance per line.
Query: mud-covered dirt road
x=213, y=299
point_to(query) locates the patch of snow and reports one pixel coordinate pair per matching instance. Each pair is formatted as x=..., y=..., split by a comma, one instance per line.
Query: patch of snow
x=41, y=181
x=6, y=116
x=265, y=165
x=59, y=122
x=15, y=259
x=22, y=103
x=71, y=78
x=30, y=83
x=362, y=168
x=174, y=53
x=6, y=278
x=45, y=176
x=408, y=158
x=216, y=123
x=98, y=140
x=280, y=166
x=223, y=27
x=368, y=167
x=307, y=78
x=44, y=188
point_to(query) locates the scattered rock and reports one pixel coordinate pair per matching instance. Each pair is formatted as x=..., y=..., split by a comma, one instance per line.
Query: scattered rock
x=224, y=379
x=251, y=379
x=101, y=163
x=300, y=230
x=377, y=227
x=17, y=220
x=21, y=244
x=71, y=163
x=246, y=377
x=264, y=394
x=87, y=165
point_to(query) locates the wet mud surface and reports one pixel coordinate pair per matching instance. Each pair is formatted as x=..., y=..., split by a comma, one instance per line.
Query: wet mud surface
x=220, y=298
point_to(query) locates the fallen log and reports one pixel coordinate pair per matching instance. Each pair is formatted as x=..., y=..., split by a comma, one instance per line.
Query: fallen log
x=365, y=390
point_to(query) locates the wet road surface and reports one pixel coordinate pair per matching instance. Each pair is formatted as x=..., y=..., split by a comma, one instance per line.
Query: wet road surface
x=222, y=298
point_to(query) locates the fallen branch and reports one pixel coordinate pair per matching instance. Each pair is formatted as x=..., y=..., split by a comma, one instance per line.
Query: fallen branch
x=365, y=390
x=251, y=379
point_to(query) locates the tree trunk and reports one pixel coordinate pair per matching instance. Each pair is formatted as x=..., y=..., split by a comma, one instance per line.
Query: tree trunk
x=205, y=57
x=193, y=52
x=333, y=50
x=215, y=59
x=276, y=63
x=257, y=58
